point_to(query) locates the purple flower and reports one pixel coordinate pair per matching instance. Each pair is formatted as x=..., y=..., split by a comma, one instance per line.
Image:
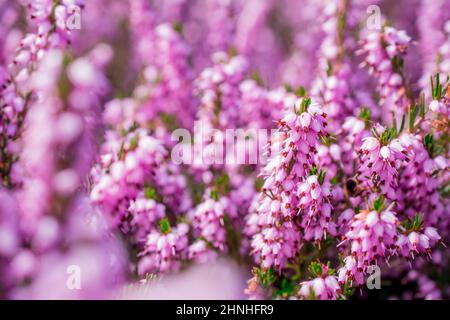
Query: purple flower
x=379, y=164
x=208, y=222
x=324, y=287
x=371, y=238
x=163, y=251
x=384, y=51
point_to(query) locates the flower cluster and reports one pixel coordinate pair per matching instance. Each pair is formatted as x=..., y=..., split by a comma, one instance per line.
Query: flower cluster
x=384, y=52
x=372, y=237
x=50, y=32
x=417, y=243
x=379, y=164
x=324, y=287
x=417, y=181
x=314, y=144
x=292, y=206
x=333, y=82
x=315, y=208
x=163, y=249
x=122, y=174
x=208, y=223
x=218, y=87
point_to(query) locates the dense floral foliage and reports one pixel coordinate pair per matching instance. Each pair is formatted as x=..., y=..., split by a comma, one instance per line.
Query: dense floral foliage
x=343, y=165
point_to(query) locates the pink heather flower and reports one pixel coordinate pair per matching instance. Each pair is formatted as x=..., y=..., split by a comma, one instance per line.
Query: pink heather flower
x=260, y=107
x=324, y=287
x=126, y=165
x=52, y=28
x=241, y=196
x=438, y=113
x=200, y=252
x=440, y=107
x=329, y=157
x=142, y=21
x=416, y=181
x=172, y=186
x=380, y=47
x=15, y=87
x=218, y=86
x=169, y=76
x=144, y=213
x=344, y=221
x=85, y=145
x=252, y=29
x=379, y=164
x=136, y=186
x=277, y=237
x=417, y=242
x=274, y=245
x=296, y=141
x=208, y=222
x=139, y=187
x=354, y=130
x=9, y=35
x=434, y=31
x=371, y=238
x=52, y=219
x=332, y=85
x=54, y=130
x=220, y=24
x=163, y=251
x=121, y=113
x=167, y=73
x=315, y=208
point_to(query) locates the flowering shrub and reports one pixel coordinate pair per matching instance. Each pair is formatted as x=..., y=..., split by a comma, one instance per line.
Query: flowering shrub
x=322, y=155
